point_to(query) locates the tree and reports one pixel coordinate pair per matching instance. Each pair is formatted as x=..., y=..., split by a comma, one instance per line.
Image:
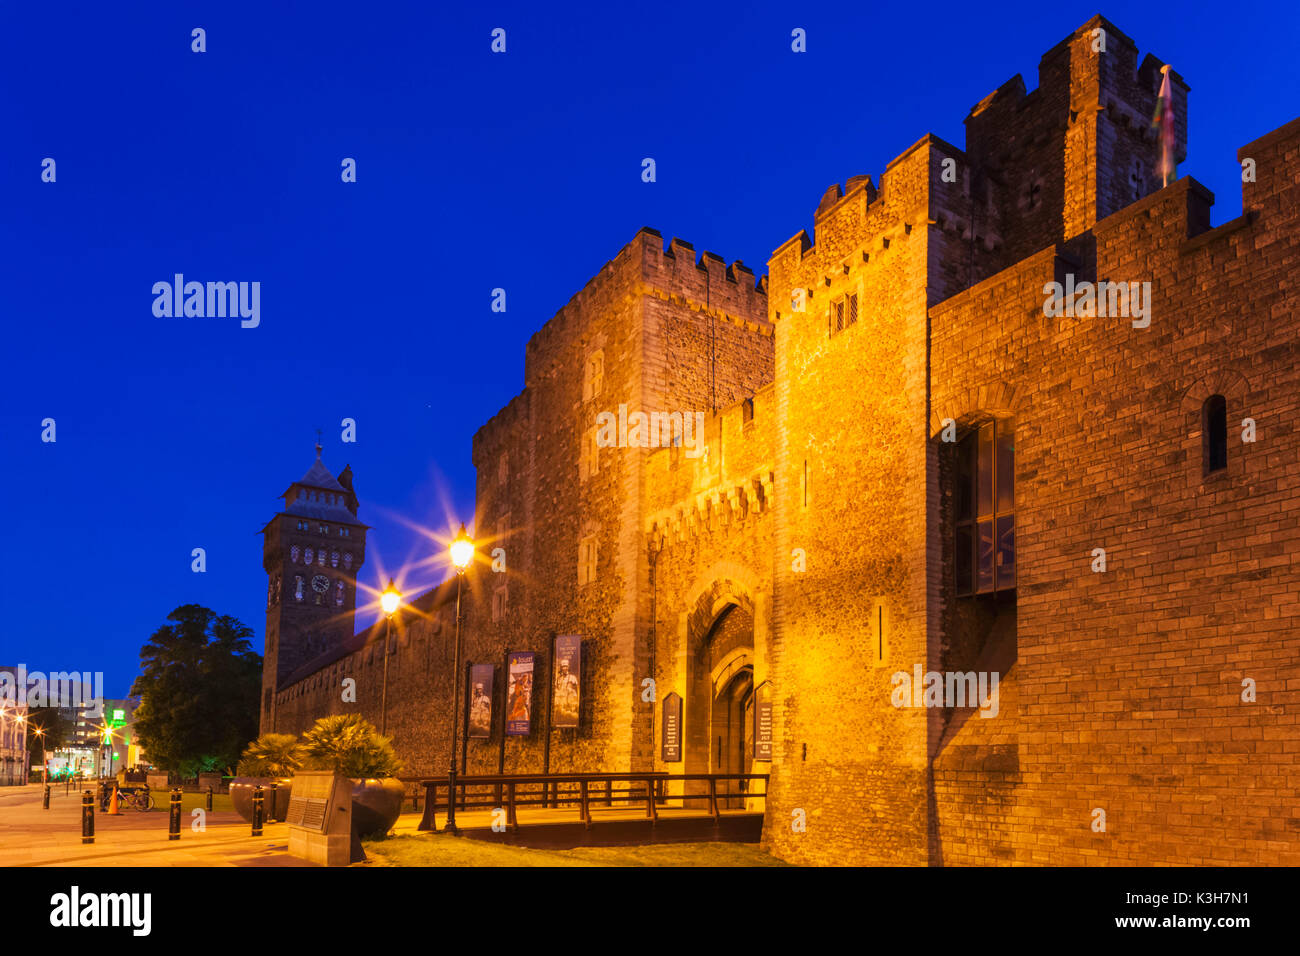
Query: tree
x=199, y=686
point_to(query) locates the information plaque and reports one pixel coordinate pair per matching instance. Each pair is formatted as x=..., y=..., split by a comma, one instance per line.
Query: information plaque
x=672, y=728
x=762, y=723
x=320, y=820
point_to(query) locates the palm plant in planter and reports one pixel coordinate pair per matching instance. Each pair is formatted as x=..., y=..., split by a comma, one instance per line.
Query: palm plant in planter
x=270, y=759
x=348, y=744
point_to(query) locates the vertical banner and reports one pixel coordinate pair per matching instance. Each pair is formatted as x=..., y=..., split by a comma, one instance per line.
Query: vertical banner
x=566, y=686
x=763, y=722
x=480, y=700
x=672, y=728
x=519, y=694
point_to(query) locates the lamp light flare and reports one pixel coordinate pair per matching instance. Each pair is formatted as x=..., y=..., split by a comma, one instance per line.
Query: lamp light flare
x=391, y=598
x=462, y=549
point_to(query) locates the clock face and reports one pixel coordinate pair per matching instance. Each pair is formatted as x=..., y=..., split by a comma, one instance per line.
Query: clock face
x=320, y=584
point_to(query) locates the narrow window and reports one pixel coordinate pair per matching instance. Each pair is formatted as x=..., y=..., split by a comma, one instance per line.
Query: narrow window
x=853, y=308
x=587, y=560
x=594, y=381
x=1214, y=431
x=984, y=550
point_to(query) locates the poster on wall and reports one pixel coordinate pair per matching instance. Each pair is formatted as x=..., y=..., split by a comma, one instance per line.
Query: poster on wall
x=566, y=687
x=672, y=729
x=480, y=700
x=519, y=694
x=762, y=722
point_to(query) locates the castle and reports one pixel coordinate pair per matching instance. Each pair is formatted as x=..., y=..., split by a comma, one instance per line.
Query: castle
x=911, y=472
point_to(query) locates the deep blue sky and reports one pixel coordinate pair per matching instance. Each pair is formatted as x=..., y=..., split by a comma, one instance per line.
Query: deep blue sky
x=475, y=171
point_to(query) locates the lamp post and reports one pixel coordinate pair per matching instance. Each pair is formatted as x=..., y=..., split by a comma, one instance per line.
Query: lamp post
x=391, y=599
x=26, y=768
x=462, y=553
x=45, y=770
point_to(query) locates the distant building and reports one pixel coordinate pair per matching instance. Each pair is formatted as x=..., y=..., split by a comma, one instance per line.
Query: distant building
x=15, y=762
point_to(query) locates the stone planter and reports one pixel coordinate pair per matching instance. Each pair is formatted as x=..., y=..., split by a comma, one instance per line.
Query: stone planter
x=376, y=804
x=276, y=801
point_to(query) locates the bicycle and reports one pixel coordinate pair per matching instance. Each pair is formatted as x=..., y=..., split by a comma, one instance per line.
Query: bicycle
x=137, y=798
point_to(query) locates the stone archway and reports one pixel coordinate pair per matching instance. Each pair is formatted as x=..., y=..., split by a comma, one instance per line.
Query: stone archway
x=731, y=728
x=719, y=694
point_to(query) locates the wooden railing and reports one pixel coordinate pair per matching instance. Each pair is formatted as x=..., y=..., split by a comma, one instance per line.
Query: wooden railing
x=582, y=791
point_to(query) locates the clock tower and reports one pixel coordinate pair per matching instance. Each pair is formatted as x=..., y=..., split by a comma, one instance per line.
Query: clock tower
x=311, y=551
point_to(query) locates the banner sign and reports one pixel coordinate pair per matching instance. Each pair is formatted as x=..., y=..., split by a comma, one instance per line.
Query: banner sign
x=567, y=684
x=672, y=729
x=480, y=700
x=519, y=694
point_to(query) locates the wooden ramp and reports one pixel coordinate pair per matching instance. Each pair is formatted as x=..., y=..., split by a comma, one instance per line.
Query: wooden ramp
x=570, y=810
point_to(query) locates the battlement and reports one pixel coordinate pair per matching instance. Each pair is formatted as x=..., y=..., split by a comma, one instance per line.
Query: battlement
x=1039, y=167
x=493, y=433
x=708, y=281
x=857, y=223
x=710, y=284
x=1095, y=66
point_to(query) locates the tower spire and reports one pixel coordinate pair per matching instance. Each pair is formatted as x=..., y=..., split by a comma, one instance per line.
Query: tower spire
x=318, y=444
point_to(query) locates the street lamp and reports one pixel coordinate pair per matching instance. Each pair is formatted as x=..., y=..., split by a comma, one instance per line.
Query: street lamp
x=462, y=553
x=390, y=600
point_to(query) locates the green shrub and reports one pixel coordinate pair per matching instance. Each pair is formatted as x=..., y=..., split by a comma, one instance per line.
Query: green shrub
x=271, y=755
x=350, y=745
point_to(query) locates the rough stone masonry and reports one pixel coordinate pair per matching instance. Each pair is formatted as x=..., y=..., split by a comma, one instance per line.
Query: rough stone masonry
x=908, y=467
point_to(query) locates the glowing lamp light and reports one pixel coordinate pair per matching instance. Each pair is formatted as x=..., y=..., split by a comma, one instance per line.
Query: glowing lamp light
x=462, y=549
x=391, y=598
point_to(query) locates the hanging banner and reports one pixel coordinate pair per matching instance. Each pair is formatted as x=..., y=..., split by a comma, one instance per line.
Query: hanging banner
x=480, y=700
x=567, y=684
x=672, y=728
x=763, y=722
x=519, y=694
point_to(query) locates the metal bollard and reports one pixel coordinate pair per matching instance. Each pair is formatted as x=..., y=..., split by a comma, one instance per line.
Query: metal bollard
x=45, y=800
x=208, y=805
x=258, y=806
x=174, y=816
x=275, y=803
x=87, y=817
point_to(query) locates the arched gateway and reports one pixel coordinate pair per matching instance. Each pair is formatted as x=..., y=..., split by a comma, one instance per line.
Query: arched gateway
x=720, y=681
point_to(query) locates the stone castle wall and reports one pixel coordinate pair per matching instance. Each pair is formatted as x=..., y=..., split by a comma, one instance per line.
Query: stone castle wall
x=818, y=526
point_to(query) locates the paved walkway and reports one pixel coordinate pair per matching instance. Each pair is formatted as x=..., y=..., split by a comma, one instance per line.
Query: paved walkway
x=31, y=836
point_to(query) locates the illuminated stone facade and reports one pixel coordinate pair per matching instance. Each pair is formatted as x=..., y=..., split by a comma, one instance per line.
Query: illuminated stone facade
x=1129, y=578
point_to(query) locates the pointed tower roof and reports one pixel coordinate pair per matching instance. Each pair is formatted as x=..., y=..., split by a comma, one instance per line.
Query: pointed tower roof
x=318, y=476
x=318, y=495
